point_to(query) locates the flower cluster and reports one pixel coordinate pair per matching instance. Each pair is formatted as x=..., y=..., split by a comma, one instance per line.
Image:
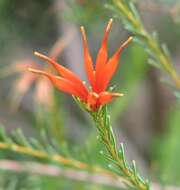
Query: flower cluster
x=99, y=76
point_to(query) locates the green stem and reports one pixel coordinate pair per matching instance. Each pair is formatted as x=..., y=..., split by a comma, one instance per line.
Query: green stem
x=102, y=121
x=131, y=17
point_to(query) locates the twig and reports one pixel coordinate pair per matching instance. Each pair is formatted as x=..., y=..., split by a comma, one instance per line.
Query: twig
x=116, y=155
x=34, y=168
x=54, y=171
x=55, y=158
x=159, y=53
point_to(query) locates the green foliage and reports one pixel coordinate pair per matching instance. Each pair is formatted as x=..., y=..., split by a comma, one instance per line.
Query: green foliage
x=42, y=148
x=167, y=150
x=132, y=72
x=126, y=11
x=116, y=155
x=52, y=120
x=177, y=94
x=22, y=181
x=85, y=12
x=18, y=24
x=49, y=144
x=17, y=147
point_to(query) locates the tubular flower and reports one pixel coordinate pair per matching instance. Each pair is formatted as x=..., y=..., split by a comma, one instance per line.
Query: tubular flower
x=98, y=76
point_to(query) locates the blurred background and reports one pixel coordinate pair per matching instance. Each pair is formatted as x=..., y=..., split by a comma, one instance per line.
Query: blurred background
x=146, y=119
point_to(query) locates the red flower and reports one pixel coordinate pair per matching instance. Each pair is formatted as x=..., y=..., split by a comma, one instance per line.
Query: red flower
x=99, y=77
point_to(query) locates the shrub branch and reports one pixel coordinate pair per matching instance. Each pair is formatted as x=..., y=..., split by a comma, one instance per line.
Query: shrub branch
x=159, y=54
x=116, y=156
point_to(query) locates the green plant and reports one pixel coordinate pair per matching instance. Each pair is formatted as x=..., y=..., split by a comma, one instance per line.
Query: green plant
x=160, y=58
x=94, y=99
x=116, y=155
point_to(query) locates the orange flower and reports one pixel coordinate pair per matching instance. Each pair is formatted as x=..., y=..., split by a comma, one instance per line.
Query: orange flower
x=98, y=77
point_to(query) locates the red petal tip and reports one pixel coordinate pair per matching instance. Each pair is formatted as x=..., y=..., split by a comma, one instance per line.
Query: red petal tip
x=109, y=26
x=31, y=70
x=37, y=71
x=127, y=42
x=35, y=52
x=82, y=31
x=41, y=55
x=117, y=94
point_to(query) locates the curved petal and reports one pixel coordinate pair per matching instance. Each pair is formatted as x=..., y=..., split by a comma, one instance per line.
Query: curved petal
x=103, y=54
x=111, y=66
x=88, y=60
x=62, y=84
x=66, y=73
x=106, y=97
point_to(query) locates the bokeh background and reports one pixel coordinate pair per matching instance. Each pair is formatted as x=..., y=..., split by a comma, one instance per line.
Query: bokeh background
x=146, y=119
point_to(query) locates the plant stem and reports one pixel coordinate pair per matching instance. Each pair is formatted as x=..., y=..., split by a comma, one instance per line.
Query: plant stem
x=132, y=19
x=55, y=158
x=40, y=169
x=102, y=121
